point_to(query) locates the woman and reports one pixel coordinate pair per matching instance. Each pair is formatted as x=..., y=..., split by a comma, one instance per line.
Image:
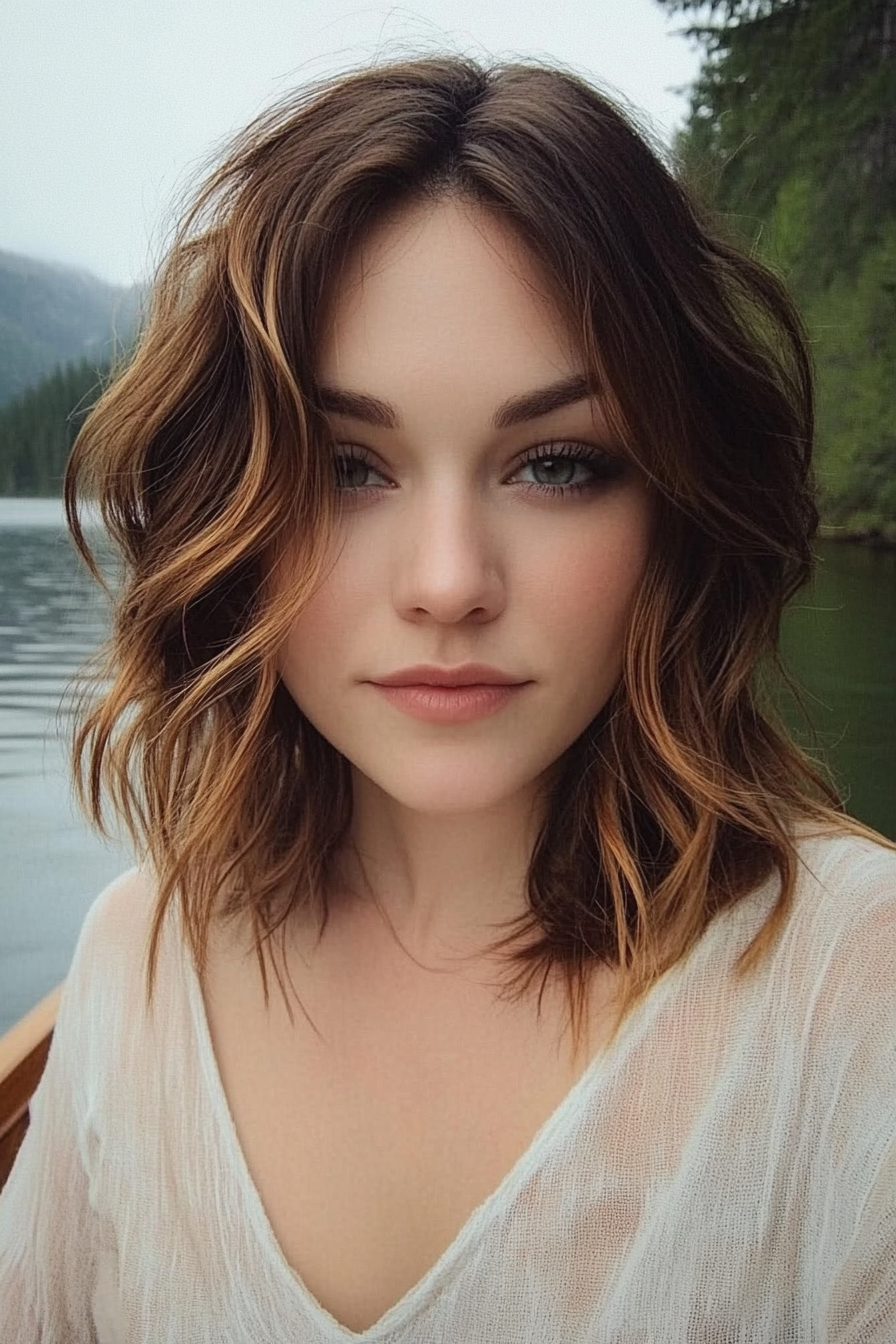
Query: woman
x=460, y=477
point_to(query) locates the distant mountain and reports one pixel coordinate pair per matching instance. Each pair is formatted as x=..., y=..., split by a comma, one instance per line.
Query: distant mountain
x=52, y=314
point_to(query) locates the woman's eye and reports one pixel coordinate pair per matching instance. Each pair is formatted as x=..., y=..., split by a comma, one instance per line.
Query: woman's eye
x=556, y=470
x=551, y=469
x=566, y=468
x=353, y=472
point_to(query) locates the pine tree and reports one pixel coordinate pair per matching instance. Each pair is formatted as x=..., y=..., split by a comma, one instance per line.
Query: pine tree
x=38, y=428
x=792, y=136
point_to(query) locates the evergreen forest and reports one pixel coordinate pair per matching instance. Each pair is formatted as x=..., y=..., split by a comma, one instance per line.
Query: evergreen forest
x=791, y=144
x=38, y=428
x=792, y=140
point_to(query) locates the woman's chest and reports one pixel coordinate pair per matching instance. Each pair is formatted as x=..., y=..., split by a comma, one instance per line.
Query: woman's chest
x=372, y=1143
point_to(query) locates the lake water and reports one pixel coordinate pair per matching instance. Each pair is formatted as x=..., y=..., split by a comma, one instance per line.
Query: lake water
x=840, y=639
x=51, y=618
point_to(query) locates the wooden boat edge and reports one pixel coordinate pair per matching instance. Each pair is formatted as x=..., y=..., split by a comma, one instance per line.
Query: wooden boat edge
x=23, y=1054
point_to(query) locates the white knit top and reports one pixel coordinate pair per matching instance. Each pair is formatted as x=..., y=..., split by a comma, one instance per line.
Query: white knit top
x=725, y=1173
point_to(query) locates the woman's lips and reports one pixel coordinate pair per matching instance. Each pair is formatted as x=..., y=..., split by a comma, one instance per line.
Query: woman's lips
x=465, y=674
x=449, y=704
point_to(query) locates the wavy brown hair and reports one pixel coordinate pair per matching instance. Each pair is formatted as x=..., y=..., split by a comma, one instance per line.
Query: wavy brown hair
x=211, y=461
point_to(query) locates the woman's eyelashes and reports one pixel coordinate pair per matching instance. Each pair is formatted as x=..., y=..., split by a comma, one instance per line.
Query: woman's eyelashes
x=556, y=469
x=351, y=466
x=569, y=468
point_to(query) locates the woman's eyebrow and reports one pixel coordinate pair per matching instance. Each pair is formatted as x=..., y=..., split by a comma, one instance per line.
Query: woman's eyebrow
x=514, y=411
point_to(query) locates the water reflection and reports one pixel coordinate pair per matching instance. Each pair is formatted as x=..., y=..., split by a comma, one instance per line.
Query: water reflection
x=51, y=620
x=839, y=637
x=52, y=617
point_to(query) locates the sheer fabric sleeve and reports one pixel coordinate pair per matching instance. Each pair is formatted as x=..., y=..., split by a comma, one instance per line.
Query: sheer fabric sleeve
x=863, y=1308
x=48, y=1228
x=856, y=1012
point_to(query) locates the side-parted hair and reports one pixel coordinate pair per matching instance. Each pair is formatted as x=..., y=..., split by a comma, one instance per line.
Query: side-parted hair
x=211, y=462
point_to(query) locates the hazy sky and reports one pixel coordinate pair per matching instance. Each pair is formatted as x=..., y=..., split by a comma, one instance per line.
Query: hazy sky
x=109, y=108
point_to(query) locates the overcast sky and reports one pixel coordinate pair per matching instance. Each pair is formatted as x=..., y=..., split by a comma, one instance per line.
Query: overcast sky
x=108, y=108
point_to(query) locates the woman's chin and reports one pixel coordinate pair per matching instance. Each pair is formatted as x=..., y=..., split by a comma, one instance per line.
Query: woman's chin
x=448, y=792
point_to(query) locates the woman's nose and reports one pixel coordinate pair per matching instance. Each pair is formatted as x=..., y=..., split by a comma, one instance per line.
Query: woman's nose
x=447, y=566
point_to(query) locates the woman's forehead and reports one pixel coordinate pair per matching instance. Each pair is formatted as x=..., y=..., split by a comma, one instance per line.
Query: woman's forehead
x=445, y=282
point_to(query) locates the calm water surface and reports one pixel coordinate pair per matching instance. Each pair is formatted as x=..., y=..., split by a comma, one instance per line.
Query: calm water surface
x=840, y=639
x=51, y=865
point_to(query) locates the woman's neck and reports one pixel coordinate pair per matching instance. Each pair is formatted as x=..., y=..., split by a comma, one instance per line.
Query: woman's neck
x=439, y=881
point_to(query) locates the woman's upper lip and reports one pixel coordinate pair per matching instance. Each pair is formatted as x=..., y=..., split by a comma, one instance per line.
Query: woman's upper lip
x=470, y=674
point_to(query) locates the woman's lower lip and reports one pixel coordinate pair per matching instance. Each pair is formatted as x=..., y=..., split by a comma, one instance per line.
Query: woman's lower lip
x=449, y=704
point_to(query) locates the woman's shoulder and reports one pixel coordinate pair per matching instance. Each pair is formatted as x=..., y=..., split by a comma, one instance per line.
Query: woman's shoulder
x=126, y=902
x=843, y=905
x=114, y=936
x=100, y=1028
x=823, y=987
x=845, y=883
x=845, y=856
x=833, y=964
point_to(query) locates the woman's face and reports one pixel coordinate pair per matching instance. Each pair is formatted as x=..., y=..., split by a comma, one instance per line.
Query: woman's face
x=476, y=528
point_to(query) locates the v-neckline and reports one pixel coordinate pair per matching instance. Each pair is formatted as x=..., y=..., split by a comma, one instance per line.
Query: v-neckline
x=561, y=1122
